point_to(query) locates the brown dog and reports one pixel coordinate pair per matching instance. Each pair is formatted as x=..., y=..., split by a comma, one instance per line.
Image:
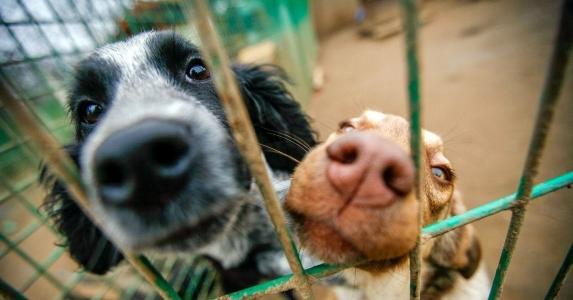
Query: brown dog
x=352, y=199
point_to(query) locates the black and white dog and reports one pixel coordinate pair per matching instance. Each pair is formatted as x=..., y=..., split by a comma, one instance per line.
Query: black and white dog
x=162, y=171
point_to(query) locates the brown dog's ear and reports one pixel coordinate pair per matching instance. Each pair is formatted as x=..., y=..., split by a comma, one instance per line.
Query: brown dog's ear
x=473, y=258
x=458, y=249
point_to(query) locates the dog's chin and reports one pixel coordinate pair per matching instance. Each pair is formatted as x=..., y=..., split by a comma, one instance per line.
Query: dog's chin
x=329, y=244
x=187, y=237
x=191, y=238
x=180, y=225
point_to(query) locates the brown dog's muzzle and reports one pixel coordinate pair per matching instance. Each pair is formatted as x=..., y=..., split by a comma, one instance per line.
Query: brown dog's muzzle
x=368, y=170
x=352, y=199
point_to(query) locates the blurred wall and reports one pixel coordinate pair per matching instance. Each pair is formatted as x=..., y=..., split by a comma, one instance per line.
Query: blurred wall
x=331, y=15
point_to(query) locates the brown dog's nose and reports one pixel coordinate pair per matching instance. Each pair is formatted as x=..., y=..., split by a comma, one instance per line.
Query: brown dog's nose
x=369, y=170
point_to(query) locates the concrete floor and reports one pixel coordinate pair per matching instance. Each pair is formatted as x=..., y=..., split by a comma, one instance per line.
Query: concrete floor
x=483, y=66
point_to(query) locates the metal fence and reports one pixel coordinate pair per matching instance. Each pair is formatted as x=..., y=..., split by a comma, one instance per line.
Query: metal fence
x=32, y=123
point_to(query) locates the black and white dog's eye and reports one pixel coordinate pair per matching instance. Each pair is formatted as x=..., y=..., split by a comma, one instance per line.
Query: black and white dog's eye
x=90, y=112
x=197, y=70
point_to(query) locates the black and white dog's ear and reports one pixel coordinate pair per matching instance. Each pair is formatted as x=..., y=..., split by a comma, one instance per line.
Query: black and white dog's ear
x=86, y=243
x=278, y=119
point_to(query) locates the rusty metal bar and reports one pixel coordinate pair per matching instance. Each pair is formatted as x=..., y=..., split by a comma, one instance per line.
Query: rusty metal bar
x=9, y=292
x=244, y=134
x=430, y=231
x=548, y=100
x=561, y=275
x=495, y=206
x=410, y=24
x=62, y=166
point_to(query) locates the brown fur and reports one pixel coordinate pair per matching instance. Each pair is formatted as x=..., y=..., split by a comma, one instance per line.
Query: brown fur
x=343, y=234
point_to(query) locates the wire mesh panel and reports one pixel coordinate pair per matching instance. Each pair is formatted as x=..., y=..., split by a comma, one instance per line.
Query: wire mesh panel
x=41, y=39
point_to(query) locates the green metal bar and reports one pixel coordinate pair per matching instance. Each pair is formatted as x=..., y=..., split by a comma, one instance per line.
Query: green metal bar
x=284, y=283
x=17, y=190
x=10, y=293
x=22, y=235
x=194, y=285
x=493, y=207
x=496, y=206
x=244, y=134
x=33, y=263
x=561, y=275
x=62, y=166
x=52, y=258
x=110, y=285
x=410, y=24
x=23, y=200
x=59, y=20
x=84, y=23
x=78, y=276
x=548, y=100
x=54, y=53
x=205, y=287
x=40, y=58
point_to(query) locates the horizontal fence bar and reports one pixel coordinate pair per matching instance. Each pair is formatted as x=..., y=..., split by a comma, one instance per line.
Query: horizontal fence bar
x=547, y=103
x=283, y=283
x=561, y=275
x=62, y=166
x=495, y=206
x=244, y=134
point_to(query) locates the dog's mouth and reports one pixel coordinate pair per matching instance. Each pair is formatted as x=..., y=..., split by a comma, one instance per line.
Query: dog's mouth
x=187, y=236
x=326, y=241
x=188, y=232
x=331, y=245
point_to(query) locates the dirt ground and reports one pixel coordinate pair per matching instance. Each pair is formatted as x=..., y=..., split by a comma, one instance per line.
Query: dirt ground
x=483, y=63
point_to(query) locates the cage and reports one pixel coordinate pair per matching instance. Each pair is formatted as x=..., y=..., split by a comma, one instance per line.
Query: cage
x=42, y=39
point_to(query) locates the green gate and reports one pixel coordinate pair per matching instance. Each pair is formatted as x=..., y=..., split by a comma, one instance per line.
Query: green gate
x=32, y=125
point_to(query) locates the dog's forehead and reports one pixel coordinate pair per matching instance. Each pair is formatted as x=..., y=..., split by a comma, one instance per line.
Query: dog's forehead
x=161, y=50
x=396, y=128
x=432, y=140
x=128, y=54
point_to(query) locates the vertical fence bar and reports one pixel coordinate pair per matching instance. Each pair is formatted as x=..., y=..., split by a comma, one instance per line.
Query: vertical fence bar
x=63, y=167
x=561, y=275
x=548, y=100
x=410, y=24
x=244, y=134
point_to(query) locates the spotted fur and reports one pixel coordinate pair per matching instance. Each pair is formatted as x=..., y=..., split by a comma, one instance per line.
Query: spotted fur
x=220, y=214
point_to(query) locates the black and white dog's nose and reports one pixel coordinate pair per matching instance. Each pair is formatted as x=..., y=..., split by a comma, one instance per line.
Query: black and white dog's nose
x=147, y=164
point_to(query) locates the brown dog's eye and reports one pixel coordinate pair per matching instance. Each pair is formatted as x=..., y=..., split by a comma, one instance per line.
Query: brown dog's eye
x=90, y=112
x=197, y=70
x=345, y=127
x=442, y=173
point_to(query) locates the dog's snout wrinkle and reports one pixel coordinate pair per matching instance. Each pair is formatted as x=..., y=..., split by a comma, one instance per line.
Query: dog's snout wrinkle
x=368, y=170
x=144, y=163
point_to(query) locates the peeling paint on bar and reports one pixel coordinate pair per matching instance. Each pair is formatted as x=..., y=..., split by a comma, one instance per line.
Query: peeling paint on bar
x=410, y=24
x=547, y=103
x=561, y=275
x=493, y=207
x=62, y=166
x=244, y=134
